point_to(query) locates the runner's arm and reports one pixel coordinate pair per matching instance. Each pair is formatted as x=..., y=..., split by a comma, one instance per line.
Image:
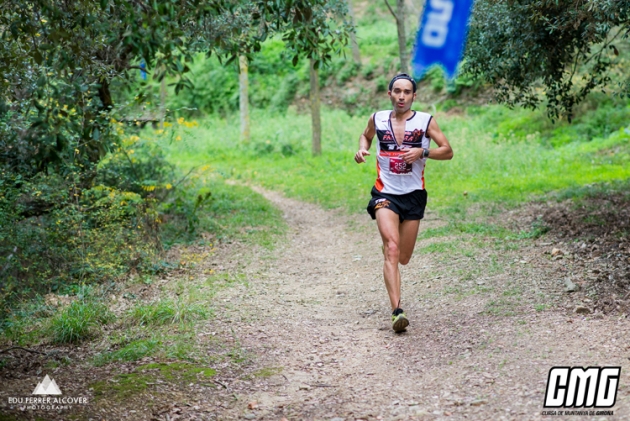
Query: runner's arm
x=444, y=150
x=365, y=141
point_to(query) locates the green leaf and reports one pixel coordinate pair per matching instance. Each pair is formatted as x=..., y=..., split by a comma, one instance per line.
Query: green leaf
x=37, y=56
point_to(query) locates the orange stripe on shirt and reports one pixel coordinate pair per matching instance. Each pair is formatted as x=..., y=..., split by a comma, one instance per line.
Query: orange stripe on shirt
x=379, y=183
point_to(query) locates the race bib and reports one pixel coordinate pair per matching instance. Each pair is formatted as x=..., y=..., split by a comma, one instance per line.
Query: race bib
x=398, y=166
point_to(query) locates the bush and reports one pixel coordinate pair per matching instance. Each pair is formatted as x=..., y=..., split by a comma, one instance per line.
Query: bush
x=348, y=71
x=463, y=82
x=56, y=232
x=368, y=71
x=382, y=84
x=137, y=166
x=264, y=148
x=87, y=236
x=216, y=86
x=596, y=118
x=435, y=77
x=285, y=93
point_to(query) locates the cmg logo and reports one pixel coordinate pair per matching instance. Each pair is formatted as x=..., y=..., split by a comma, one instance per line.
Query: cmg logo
x=436, y=27
x=576, y=387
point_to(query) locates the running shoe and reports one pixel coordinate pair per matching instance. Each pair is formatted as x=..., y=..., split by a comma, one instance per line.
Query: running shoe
x=399, y=320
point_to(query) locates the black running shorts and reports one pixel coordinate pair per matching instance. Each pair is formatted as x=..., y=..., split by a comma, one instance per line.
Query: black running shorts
x=406, y=206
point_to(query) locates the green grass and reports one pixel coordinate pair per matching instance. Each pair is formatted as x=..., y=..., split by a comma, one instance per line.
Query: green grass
x=122, y=386
x=167, y=311
x=133, y=351
x=238, y=212
x=179, y=371
x=24, y=325
x=231, y=212
x=599, y=116
x=487, y=169
x=502, y=307
x=440, y=247
x=79, y=321
x=178, y=342
x=267, y=372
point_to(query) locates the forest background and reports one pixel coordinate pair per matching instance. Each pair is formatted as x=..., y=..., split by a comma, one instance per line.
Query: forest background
x=95, y=193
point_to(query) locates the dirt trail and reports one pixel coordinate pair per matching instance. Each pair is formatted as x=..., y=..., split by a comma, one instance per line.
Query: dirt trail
x=305, y=334
x=316, y=322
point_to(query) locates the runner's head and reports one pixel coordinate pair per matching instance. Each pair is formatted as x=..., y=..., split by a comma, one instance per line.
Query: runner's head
x=402, y=92
x=403, y=76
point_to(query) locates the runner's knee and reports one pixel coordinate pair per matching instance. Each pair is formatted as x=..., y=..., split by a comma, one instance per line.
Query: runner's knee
x=404, y=259
x=392, y=252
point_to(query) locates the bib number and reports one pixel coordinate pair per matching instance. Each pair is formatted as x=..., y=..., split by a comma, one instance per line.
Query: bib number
x=399, y=167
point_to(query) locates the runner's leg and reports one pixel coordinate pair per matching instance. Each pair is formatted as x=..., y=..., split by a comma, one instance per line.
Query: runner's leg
x=388, y=225
x=407, y=232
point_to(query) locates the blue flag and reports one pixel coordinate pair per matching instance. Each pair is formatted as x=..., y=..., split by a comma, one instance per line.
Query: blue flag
x=143, y=73
x=442, y=35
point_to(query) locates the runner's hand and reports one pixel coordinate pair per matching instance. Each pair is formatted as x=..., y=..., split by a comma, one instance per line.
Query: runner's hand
x=359, y=157
x=412, y=155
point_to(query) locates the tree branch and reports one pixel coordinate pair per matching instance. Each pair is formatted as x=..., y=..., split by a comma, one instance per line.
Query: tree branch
x=163, y=198
x=604, y=47
x=391, y=10
x=4, y=269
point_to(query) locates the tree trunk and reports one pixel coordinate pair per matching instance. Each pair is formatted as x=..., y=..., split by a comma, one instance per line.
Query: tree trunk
x=356, y=54
x=315, y=103
x=244, y=98
x=105, y=95
x=402, y=36
x=162, y=103
x=399, y=15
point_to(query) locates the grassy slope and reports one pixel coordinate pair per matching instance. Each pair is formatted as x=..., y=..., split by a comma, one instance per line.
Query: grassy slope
x=487, y=165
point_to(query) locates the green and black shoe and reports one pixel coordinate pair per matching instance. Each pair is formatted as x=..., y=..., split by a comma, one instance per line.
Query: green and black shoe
x=399, y=320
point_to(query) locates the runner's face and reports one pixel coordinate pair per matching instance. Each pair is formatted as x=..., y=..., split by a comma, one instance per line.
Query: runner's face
x=402, y=95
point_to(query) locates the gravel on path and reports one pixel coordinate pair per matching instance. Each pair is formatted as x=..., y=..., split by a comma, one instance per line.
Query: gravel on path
x=318, y=318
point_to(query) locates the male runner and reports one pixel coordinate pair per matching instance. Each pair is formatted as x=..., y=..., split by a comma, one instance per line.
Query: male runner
x=399, y=196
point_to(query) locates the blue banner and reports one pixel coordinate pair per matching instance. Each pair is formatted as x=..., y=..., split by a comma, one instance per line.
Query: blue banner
x=442, y=35
x=143, y=72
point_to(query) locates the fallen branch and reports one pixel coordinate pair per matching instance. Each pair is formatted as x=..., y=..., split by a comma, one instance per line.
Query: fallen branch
x=322, y=385
x=2, y=351
x=219, y=383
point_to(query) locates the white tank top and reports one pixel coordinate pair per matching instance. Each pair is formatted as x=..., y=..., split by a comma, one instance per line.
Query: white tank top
x=394, y=176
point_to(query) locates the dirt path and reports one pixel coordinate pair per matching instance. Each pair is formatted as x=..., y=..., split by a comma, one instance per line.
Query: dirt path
x=485, y=330
x=303, y=332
